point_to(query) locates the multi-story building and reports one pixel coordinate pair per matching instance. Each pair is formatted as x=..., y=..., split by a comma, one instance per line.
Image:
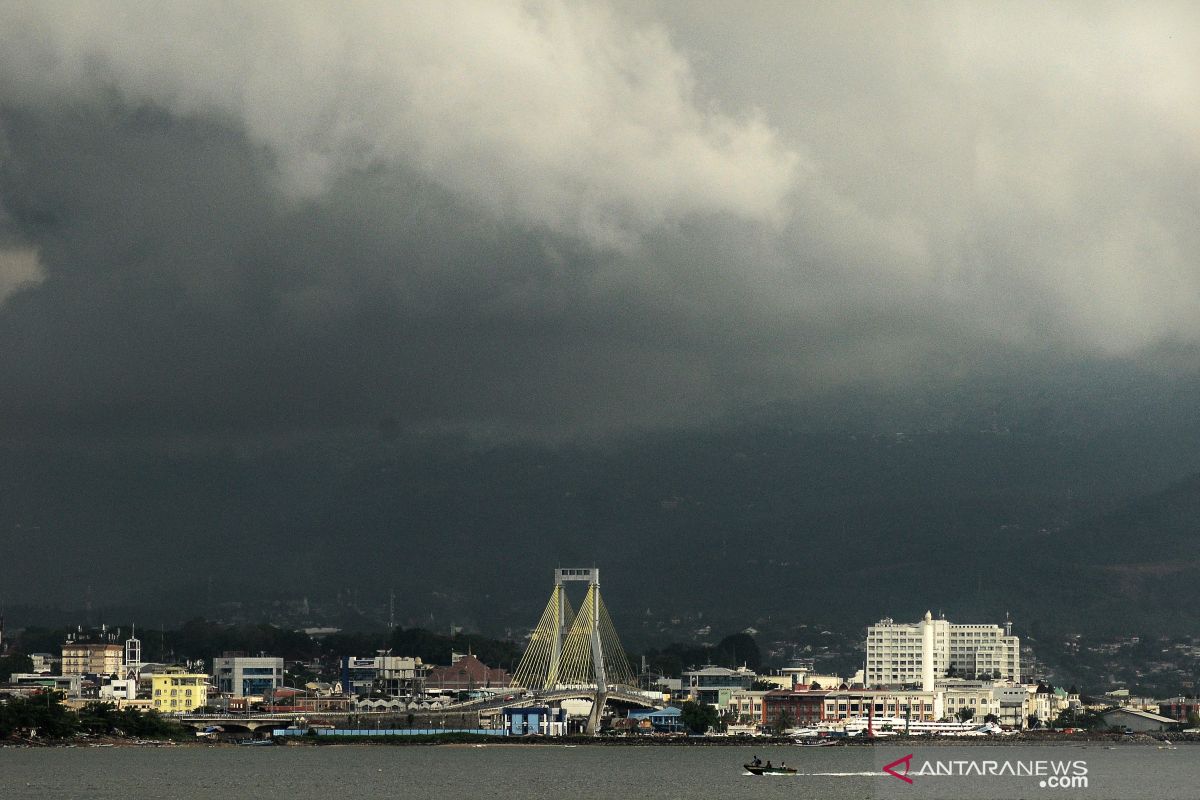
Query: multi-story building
x=393, y=676
x=714, y=685
x=178, y=692
x=746, y=706
x=247, y=676
x=1183, y=709
x=82, y=658
x=44, y=663
x=810, y=707
x=801, y=707
x=980, y=697
x=917, y=654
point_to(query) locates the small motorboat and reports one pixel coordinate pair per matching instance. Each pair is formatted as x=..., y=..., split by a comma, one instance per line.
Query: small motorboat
x=768, y=769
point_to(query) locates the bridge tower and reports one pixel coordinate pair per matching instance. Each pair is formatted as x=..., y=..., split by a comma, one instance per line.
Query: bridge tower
x=569, y=649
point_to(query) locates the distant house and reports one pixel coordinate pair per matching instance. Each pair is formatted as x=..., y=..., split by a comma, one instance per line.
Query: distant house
x=1137, y=721
x=466, y=673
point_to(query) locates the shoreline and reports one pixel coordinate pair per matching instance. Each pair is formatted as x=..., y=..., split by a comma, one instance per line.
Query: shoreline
x=463, y=741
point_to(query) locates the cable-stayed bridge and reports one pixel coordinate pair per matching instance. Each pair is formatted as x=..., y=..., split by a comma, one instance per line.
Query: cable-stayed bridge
x=577, y=653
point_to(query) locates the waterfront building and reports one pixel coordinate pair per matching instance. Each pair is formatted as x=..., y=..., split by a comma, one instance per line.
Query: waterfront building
x=530, y=720
x=178, y=692
x=812, y=707
x=746, y=706
x=917, y=654
x=659, y=720
x=1137, y=721
x=980, y=697
x=802, y=707
x=247, y=676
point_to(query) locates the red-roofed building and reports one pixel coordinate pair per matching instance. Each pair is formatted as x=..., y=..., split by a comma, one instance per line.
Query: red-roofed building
x=466, y=674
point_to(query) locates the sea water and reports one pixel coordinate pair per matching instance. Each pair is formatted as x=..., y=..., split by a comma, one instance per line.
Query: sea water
x=371, y=772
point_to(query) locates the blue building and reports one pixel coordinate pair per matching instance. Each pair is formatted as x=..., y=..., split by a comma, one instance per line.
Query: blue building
x=661, y=720
x=247, y=676
x=531, y=720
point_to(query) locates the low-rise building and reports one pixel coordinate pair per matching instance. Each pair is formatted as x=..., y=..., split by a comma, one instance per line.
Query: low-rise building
x=466, y=673
x=69, y=685
x=659, y=720
x=531, y=720
x=1131, y=719
x=118, y=689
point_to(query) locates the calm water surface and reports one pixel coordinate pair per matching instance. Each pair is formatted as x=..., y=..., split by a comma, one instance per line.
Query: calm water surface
x=434, y=773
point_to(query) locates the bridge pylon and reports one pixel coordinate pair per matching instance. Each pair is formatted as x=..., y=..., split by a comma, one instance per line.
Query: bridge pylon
x=574, y=649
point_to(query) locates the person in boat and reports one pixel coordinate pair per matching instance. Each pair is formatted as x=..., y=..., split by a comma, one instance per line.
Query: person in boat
x=783, y=765
x=757, y=761
x=768, y=763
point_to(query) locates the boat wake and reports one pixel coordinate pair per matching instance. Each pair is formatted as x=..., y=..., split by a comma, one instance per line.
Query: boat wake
x=816, y=774
x=840, y=774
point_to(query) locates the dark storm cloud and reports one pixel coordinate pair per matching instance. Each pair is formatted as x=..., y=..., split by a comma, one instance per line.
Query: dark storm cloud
x=537, y=217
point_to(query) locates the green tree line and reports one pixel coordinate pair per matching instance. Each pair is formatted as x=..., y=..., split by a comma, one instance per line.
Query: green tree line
x=45, y=716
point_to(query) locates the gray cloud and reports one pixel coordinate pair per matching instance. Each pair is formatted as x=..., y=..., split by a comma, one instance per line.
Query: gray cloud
x=545, y=217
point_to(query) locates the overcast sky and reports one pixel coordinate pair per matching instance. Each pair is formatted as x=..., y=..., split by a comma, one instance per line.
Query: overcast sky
x=582, y=216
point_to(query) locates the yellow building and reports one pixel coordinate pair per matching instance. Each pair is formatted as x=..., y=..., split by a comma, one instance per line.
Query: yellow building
x=178, y=692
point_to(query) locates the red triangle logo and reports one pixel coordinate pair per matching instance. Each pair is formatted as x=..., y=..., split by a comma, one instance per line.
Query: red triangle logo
x=907, y=762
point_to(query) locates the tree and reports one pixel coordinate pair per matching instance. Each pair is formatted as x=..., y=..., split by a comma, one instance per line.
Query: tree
x=784, y=721
x=992, y=719
x=43, y=715
x=762, y=686
x=697, y=718
x=1076, y=718
x=737, y=649
x=1033, y=721
x=965, y=714
x=17, y=662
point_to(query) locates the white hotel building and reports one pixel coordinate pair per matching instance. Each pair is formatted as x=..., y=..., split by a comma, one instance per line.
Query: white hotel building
x=922, y=653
